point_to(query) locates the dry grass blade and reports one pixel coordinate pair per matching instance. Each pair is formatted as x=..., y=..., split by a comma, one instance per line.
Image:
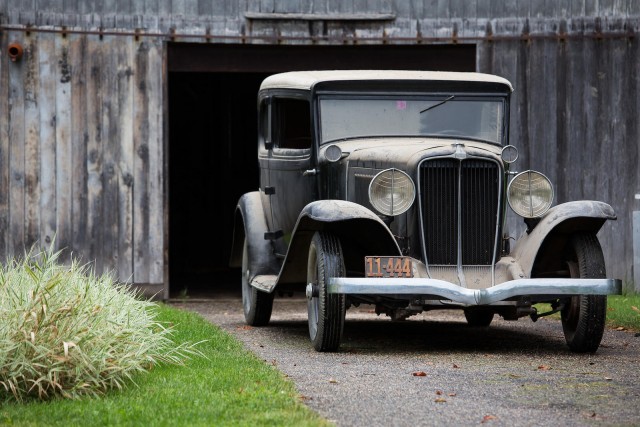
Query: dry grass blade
x=66, y=332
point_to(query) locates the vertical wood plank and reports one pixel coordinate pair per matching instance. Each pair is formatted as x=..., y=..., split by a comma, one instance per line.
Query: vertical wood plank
x=16, y=155
x=141, y=202
x=158, y=165
x=152, y=7
x=32, y=144
x=94, y=72
x=110, y=207
x=124, y=140
x=64, y=182
x=4, y=146
x=79, y=139
x=205, y=7
x=47, y=82
x=161, y=173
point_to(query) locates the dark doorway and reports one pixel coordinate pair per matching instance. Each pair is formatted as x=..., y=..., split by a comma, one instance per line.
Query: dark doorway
x=213, y=136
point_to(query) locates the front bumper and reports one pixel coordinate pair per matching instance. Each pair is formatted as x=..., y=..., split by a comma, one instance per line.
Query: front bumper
x=553, y=288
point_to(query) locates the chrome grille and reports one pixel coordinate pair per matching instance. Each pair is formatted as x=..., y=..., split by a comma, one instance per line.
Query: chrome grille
x=459, y=198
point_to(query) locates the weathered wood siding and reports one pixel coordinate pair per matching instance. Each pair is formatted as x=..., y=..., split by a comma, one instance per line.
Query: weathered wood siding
x=81, y=150
x=81, y=119
x=575, y=117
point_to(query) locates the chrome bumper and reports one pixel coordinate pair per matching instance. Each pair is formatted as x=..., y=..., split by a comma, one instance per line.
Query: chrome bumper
x=453, y=292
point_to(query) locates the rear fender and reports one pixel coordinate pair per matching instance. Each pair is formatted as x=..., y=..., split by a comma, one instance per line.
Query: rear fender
x=361, y=232
x=539, y=251
x=250, y=222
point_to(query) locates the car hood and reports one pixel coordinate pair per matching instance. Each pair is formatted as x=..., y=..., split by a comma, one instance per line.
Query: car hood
x=402, y=152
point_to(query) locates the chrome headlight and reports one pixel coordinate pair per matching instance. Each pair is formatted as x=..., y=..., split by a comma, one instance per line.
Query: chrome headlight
x=530, y=194
x=392, y=192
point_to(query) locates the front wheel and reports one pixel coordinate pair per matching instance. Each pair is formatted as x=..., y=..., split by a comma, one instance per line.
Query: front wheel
x=256, y=304
x=326, y=311
x=583, y=316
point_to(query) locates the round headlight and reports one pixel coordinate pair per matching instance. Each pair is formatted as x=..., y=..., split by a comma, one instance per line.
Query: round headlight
x=392, y=192
x=333, y=153
x=530, y=194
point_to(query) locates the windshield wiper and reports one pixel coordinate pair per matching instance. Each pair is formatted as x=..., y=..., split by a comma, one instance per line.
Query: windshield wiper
x=438, y=104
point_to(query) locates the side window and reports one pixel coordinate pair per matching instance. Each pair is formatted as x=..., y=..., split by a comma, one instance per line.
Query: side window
x=291, y=124
x=263, y=126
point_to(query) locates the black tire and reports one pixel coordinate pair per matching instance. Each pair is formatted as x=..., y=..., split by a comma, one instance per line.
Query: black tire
x=477, y=317
x=583, y=316
x=256, y=304
x=326, y=311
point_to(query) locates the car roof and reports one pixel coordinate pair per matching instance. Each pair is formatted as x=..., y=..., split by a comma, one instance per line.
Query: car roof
x=307, y=79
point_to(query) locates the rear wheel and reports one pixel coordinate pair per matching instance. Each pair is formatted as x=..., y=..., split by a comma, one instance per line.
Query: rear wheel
x=326, y=311
x=256, y=304
x=583, y=316
x=478, y=317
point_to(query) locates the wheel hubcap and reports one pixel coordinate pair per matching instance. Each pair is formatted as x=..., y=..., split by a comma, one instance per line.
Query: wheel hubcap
x=311, y=291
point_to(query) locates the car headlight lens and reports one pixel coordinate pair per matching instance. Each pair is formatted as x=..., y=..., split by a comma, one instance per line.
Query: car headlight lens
x=530, y=194
x=392, y=192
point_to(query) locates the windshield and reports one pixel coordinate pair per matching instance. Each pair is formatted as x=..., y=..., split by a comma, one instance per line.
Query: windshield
x=448, y=115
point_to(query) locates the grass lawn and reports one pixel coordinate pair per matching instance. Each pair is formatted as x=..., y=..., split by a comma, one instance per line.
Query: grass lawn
x=231, y=387
x=624, y=311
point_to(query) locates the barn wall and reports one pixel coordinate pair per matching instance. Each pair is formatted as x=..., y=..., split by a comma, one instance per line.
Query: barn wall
x=574, y=117
x=93, y=172
x=81, y=150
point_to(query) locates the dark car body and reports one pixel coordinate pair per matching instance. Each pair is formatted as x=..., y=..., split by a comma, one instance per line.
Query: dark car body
x=391, y=188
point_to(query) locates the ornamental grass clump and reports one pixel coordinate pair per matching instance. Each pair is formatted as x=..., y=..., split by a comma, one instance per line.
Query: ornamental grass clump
x=66, y=332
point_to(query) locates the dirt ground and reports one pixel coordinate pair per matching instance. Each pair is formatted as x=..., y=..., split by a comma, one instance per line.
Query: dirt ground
x=434, y=369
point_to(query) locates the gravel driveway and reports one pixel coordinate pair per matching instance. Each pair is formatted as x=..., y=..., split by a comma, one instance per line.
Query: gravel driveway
x=513, y=373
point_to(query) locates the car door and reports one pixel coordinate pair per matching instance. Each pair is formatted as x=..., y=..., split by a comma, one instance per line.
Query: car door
x=287, y=165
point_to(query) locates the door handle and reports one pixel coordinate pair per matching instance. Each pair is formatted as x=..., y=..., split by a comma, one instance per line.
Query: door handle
x=310, y=172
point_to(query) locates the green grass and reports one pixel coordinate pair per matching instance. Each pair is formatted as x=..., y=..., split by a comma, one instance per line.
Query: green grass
x=620, y=311
x=624, y=311
x=228, y=387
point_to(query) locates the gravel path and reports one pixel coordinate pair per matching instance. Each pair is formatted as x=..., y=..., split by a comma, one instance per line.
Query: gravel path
x=511, y=374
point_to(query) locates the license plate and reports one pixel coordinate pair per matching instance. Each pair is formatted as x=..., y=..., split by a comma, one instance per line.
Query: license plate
x=387, y=266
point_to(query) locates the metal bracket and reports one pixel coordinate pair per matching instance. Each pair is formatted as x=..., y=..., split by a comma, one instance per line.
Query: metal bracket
x=273, y=235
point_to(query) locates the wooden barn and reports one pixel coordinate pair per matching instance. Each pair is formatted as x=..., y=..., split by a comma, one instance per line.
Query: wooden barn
x=127, y=127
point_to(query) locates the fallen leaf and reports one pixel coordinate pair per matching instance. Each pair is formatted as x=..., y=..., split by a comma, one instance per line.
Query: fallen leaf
x=440, y=400
x=304, y=398
x=608, y=379
x=452, y=394
x=333, y=381
x=634, y=308
x=419, y=374
x=621, y=328
x=544, y=368
x=438, y=392
x=244, y=327
x=488, y=418
x=515, y=376
x=455, y=366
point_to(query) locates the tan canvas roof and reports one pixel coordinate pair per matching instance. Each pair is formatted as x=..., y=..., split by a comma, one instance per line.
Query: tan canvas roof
x=306, y=79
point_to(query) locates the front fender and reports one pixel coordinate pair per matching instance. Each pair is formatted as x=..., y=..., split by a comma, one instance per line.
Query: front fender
x=361, y=232
x=250, y=222
x=540, y=249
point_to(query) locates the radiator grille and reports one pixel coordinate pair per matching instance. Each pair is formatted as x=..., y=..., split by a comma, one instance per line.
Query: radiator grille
x=459, y=198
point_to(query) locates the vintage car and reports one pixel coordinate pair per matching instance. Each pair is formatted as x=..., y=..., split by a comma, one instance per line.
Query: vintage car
x=391, y=188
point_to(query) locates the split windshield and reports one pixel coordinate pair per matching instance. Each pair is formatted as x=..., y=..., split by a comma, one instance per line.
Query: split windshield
x=450, y=115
